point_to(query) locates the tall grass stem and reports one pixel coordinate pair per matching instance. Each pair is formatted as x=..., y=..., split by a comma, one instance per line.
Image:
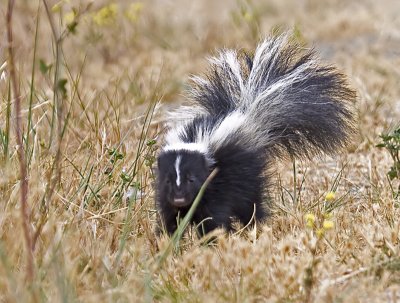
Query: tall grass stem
x=25, y=212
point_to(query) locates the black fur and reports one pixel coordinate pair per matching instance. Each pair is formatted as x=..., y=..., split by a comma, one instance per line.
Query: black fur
x=283, y=104
x=236, y=192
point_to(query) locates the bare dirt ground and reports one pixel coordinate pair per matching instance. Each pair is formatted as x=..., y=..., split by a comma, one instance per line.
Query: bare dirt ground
x=90, y=149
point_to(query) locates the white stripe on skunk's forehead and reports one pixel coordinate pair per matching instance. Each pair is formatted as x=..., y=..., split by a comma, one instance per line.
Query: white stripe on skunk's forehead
x=195, y=147
x=177, y=168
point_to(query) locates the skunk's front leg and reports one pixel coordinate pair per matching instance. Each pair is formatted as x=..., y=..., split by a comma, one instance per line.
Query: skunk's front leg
x=168, y=220
x=208, y=219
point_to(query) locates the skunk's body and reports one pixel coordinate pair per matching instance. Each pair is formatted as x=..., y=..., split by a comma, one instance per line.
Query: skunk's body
x=249, y=111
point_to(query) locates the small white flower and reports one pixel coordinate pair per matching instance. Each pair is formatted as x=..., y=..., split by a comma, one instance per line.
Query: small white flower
x=133, y=194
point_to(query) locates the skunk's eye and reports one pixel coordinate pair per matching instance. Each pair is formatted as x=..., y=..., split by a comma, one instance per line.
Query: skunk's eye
x=168, y=181
x=190, y=179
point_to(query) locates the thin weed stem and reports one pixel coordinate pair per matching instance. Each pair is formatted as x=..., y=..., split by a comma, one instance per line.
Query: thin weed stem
x=294, y=183
x=31, y=93
x=25, y=212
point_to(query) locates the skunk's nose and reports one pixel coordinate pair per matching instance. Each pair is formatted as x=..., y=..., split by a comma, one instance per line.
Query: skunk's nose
x=179, y=200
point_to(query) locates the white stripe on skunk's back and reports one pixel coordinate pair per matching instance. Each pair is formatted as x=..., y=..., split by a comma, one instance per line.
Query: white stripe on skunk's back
x=206, y=136
x=229, y=125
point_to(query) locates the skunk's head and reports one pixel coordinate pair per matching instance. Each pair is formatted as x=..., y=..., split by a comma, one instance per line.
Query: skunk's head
x=180, y=175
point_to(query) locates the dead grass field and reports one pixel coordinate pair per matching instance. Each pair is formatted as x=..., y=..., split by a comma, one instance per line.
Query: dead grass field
x=90, y=143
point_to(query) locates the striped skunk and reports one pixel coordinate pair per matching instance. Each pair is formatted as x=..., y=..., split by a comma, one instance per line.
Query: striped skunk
x=248, y=111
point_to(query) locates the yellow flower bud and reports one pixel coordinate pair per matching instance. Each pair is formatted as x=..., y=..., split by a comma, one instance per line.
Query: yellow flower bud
x=106, y=15
x=310, y=217
x=134, y=11
x=310, y=220
x=328, y=224
x=69, y=17
x=330, y=196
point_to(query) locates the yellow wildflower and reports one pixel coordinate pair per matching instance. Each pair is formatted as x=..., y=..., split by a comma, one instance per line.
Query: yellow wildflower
x=69, y=17
x=310, y=217
x=309, y=224
x=133, y=11
x=328, y=224
x=310, y=220
x=330, y=196
x=106, y=15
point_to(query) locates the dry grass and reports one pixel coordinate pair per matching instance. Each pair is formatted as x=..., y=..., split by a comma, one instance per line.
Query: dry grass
x=89, y=145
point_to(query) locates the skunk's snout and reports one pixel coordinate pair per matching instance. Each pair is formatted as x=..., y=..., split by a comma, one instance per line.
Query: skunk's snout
x=180, y=202
x=179, y=199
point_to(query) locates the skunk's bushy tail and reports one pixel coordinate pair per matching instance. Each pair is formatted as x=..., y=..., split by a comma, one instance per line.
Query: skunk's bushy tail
x=280, y=99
